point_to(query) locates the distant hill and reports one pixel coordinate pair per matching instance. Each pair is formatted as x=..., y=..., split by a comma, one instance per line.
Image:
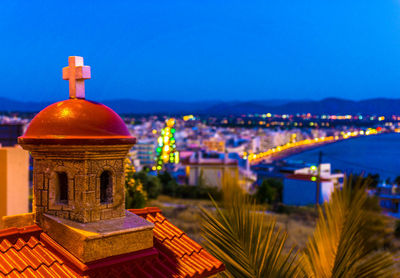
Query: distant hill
x=8, y=105
x=178, y=107
x=378, y=106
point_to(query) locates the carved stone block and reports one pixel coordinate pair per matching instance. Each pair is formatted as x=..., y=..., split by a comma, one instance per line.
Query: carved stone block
x=83, y=167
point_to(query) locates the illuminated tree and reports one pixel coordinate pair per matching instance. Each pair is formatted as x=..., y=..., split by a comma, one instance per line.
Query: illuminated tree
x=166, y=146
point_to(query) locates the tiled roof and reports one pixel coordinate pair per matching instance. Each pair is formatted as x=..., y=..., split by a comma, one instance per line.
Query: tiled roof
x=191, y=260
x=22, y=254
x=29, y=252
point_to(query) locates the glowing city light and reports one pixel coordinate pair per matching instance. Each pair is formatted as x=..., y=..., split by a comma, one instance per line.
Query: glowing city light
x=315, y=141
x=313, y=168
x=166, y=150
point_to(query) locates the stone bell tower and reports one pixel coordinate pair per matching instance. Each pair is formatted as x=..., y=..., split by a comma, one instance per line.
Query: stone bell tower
x=78, y=149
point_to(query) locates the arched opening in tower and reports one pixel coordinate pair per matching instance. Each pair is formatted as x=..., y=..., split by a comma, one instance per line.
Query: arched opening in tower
x=106, y=190
x=62, y=187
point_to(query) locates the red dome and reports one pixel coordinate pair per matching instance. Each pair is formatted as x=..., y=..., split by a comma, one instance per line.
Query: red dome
x=77, y=121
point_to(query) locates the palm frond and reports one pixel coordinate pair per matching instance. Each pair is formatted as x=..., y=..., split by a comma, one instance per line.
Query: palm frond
x=247, y=241
x=339, y=246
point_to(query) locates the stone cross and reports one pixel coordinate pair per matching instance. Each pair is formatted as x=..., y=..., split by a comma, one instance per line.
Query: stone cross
x=76, y=73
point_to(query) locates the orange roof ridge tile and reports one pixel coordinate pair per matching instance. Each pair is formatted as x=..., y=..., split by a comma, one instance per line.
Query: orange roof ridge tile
x=154, y=218
x=24, y=232
x=145, y=210
x=200, y=262
x=29, y=267
x=194, y=244
x=186, y=243
x=61, y=251
x=174, y=228
x=170, y=239
x=16, y=248
x=169, y=232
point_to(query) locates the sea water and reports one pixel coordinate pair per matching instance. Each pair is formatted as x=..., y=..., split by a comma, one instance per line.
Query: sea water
x=377, y=154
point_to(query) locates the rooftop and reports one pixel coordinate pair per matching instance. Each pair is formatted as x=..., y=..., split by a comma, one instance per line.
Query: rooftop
x=72, y=121
x=29, y=251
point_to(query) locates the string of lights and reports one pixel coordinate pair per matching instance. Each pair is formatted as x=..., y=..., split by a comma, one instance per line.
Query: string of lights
x=253, y=157
x=166, y=148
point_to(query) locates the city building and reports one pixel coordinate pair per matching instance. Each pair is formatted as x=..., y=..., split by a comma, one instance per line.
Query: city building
x=214, y=144
x=389, y=198
x=300, y=186
x=265, y=170
x=210, y=168
x=237, y=145
x=217, y=169
x=14, y=181
x=9, y=133
x=145, y=153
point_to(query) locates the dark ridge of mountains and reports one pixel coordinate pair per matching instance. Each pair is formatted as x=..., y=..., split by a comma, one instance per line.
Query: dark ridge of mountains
x=129, y=106
x=9, y=105
x=378, y=106
x=332, y=106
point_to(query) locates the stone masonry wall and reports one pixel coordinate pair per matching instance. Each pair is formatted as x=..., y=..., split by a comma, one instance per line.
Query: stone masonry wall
x=83, y=189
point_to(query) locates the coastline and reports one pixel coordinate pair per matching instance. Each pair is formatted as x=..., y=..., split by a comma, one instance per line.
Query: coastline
x=293, y=151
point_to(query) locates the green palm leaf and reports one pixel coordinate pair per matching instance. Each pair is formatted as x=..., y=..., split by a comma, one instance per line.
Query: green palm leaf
x=247, y=241
x=339, y=246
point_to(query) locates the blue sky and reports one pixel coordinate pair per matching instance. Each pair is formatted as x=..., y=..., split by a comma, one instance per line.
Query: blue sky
x=203, y=50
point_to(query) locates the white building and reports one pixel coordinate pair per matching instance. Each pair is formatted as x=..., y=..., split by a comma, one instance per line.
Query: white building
x=217, y=169
x=300, y=187
x=145, y=153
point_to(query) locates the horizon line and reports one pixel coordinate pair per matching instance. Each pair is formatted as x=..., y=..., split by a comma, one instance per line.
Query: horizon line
x=209, y=100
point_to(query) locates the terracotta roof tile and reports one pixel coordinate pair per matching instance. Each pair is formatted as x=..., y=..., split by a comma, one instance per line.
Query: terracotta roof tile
x=191, y=259
x=29, y=252
x=29, y=258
